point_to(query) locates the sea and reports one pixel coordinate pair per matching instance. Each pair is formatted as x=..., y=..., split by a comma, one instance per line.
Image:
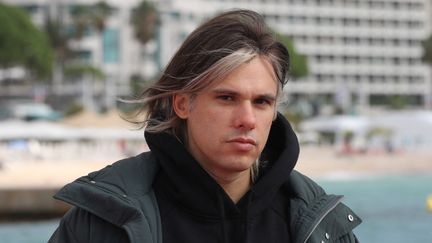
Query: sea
x=393, y=209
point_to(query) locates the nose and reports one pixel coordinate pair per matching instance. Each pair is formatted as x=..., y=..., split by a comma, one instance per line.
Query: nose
x=245, y=117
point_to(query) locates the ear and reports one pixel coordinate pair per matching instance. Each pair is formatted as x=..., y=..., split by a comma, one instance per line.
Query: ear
x=181, y=104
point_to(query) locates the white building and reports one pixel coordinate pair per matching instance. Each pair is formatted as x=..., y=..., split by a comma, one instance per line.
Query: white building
x=360, y=52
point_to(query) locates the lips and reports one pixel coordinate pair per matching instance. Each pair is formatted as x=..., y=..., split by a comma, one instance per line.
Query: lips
x=243, y=140
x=243, y=144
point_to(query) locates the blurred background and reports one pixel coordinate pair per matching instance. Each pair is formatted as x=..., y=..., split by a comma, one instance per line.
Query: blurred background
x=359, y=99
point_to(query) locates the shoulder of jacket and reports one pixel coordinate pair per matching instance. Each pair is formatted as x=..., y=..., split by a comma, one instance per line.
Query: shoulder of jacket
x=117, y=193
x=127, y=176
x=131, y=177
x=120, y=194
x=303, y=187
x=78, y=225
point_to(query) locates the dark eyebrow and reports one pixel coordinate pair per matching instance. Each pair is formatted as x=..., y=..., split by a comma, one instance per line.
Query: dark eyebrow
x=267, y=96
x=224, y=91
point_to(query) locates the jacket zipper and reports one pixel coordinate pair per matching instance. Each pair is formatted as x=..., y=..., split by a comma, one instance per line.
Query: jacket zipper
x=322, y=217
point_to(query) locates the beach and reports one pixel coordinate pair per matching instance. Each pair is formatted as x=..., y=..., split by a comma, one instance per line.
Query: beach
x=326, y=162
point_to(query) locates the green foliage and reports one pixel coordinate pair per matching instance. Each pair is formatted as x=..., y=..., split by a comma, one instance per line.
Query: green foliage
x=295, y=118
x=22, y=44
x=138, y=83
x=74, y=109
x=90, y=16
x=100, y=12
x=58, y=38
x=81, y=18
x=398, y=102
x=298, y=63
x=78, y=71
x=379, y=131
x=427, y=50
x=144, y=20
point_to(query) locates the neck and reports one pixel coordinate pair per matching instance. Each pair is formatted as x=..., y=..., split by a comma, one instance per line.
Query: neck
x=235, y=186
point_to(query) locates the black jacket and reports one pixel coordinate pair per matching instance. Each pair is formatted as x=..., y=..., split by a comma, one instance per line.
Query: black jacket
x=165, y=194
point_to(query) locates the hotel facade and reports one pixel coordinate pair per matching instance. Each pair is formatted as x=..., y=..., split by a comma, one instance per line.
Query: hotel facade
x=361, y=53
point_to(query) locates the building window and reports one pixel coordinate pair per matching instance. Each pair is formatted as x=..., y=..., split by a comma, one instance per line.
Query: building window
x=414, y=24
x=84, y=55
x=110, y=40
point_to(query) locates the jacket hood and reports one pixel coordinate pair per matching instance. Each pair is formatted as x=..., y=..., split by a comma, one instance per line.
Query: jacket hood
x=192, y=187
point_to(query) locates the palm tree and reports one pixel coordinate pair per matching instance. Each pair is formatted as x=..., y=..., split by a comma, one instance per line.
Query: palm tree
x=427, y=50
x=427, y=58
x=58, y=39
x=145, y=21
x=86, y=17
x=299, y=68
x=101, y=11
x=22, y=43
x=80, y=15
x=298, y=63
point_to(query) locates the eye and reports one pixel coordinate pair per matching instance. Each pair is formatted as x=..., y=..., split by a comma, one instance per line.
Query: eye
x=226, y=97
x=263, y=101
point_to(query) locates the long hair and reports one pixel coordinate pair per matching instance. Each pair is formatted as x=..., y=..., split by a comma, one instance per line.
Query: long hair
x=208, y=54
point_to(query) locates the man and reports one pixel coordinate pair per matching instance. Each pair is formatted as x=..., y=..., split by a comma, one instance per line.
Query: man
x=221, y=162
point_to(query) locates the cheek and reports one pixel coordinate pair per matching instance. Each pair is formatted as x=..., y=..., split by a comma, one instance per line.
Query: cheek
x=205, y=119
x=210, y=117
x=205, y=124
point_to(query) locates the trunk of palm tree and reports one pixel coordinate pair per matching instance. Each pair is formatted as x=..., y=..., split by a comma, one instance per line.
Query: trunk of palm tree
x=110, y=93
x=145, y=20
x=94, y=16
x=57, y=77
x=53, y=27
x=428, y=90
x=87, y=93
x=427, y=58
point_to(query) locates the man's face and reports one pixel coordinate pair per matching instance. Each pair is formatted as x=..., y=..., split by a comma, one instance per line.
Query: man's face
x=228, y=123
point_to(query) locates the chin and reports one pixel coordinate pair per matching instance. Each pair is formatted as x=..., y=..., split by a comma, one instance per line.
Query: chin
x=241, y=165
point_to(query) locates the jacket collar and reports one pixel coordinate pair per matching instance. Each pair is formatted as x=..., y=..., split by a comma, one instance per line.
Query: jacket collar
x=315, y=213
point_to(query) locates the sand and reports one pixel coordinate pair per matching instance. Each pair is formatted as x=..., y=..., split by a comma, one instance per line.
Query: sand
x=314, y=162
x=325, y=162
x=45, y=174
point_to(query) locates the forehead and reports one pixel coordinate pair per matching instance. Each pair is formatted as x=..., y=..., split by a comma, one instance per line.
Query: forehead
x=255, y=75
